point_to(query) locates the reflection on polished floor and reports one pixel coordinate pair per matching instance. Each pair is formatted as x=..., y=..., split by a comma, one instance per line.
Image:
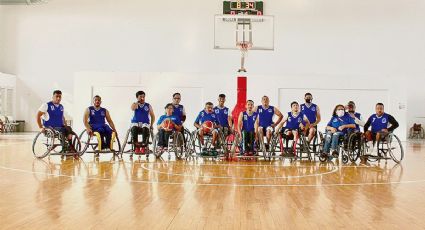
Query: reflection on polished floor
x=196, y=194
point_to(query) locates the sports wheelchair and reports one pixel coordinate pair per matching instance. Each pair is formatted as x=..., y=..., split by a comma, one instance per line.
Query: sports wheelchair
x=195, y=148
x=93, y=144
x=290, y=146
x=175, y=142
x=350, y=147
x=238, y=150
x=129, y=147
x=53, y=142
x=389, y=148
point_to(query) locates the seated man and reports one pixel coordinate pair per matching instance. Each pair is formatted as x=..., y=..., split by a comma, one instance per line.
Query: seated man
x=351, y=109
x=166, y=125
x=52, y=115
x=207, y=117
x=266, y=113
x=312, y=111
x=142, y=122
x=382, y=124
x=95, y=118
x=248, y=127
x=223, y=116
x=294, y=121
x=337, y=127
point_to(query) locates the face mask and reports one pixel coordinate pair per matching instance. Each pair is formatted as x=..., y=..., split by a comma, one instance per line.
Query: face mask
x=308, y=100
x=340, y=113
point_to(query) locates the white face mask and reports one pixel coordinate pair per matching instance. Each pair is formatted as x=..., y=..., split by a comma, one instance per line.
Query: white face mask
x=340, y=113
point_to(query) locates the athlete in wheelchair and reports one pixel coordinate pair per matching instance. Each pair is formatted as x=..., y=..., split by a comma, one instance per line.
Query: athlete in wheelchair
x=244, y=144
x=141, y=123
x=266, y=125
x=180, y=112
x=294, y=123
x=380, y=142
x=169, y=137
x=99, y=137
x=337, y=133
x=55, y=137
x=224, y=118
x=206, y=139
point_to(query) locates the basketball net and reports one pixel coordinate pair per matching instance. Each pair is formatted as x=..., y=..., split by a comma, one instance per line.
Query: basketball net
x=243, y=47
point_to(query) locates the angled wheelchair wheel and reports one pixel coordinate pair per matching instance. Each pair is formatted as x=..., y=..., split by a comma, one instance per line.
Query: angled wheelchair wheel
x=355, y=146
x=395, y=148
x=76, y=145
x=178, y=145
x=43, y=143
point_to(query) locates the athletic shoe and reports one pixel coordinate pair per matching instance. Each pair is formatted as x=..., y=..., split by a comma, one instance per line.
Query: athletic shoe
x=137, y=150
x=335, y=154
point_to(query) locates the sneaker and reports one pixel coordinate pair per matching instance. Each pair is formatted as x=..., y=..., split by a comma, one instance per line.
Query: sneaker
x=137, y=150
x=335, y=154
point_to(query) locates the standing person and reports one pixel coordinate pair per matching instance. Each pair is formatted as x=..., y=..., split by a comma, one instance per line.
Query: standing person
x=248, y=127
x=51, y=115
x=312, y=111
x=142, y=121
x=223, y=115
x=95, y=118
x=178, y=110
x=266, y=112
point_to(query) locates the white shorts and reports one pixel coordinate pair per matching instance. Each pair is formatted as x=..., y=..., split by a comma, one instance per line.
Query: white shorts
x=140, y=125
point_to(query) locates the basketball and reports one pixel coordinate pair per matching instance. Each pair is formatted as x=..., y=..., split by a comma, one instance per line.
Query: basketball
x=368, y=136
x=207, y=126
x=167, y=124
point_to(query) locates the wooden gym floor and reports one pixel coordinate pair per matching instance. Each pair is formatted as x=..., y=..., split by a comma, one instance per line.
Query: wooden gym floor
x=115, y=194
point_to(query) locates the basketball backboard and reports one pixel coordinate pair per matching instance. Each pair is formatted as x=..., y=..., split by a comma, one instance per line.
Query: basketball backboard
x=229, y=30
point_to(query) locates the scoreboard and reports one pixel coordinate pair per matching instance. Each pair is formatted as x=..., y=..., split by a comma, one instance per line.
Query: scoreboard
x=243, y=7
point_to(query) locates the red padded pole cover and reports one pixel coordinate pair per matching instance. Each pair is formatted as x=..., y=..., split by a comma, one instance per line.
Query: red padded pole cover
x=241, y=98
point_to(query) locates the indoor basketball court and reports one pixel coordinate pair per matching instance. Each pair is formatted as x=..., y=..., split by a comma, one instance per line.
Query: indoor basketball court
x=232, y=114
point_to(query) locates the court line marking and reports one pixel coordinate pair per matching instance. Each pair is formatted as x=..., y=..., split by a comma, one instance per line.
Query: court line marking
x=334, y=169
x=223, y=185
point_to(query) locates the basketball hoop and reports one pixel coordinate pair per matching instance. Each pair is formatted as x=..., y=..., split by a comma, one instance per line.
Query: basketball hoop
x=244, y=47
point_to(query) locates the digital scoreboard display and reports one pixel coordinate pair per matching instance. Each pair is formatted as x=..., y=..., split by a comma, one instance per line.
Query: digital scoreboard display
x=243, y=7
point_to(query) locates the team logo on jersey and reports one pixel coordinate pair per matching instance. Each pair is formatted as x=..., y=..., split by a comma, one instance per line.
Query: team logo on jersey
x=313, y=109
x=245, y=117
x=270, y=110
x=92, y=112
x=289, y=119
x=146, y=108
x=335, y=120
x=299, y=120
x=384, y=120
x=217, y=111
x=226, y=112
x=213, y=115
x=102, y=113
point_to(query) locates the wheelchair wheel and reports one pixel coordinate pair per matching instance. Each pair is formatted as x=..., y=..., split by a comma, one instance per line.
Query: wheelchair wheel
x=156, y=152
x=76, y=144
x=345, y=157
x=236, y=145
x=323, y=157
x=43, y=143
x=261, y=146
x=178, y=145
x=187, y=138
x=355, y=146
x=303, y=147
x=124, y=145
x=395, y=148
x=86, y=141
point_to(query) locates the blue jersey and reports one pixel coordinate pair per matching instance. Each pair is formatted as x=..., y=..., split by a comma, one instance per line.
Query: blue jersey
x=265, y=116
x=178, y=111
x=141, y=114
x=55, y=115
x=204, y=116
x=310, y=112
x=379, y=123
x=248, y=124
x=173, y=118
x=336, y=121
x=358, y=116
x=222, y=116
x=293, y=123
x=97, y=118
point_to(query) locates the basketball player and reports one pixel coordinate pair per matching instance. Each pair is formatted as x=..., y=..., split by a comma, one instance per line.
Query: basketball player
x=382, y=124
x=266, y=113
x=293, y=121
x=312, y=111
x=51, y=115
x=223, y=116
x=166, y=125
x=248, y=123
x=207, y=123
x=142, y=122
x=179, y=110
x=95, y=118
x=351, y=110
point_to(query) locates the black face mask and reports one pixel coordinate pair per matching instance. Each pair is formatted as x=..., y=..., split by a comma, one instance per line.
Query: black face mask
x=308, y=100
